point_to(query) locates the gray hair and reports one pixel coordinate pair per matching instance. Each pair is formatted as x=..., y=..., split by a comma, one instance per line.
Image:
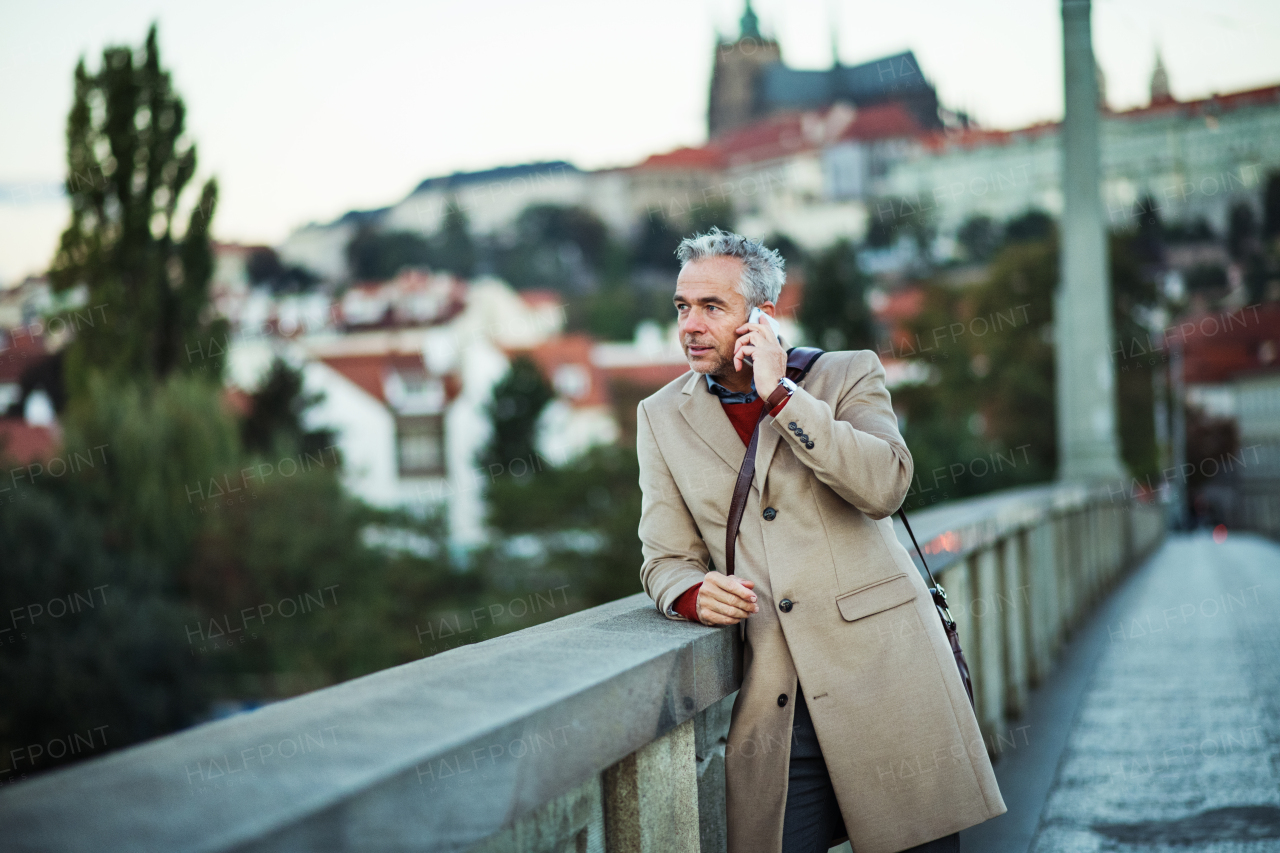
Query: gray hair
x=763, y=270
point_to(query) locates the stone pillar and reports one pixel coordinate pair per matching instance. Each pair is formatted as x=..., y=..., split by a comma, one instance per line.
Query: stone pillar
x=711, y=733
x=1087, y=444
x=1015, y=611
x=651, y=797
x=1068, y=572
x=1042, y=575
x=988, y=681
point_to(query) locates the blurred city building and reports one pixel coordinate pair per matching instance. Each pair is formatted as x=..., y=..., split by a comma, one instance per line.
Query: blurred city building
x=1186, y=161
x=1231, y=371
x=407, y=383
x=819, y=155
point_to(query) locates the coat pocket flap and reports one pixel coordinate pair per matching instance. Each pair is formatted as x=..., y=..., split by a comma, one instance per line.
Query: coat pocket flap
x=878, y=596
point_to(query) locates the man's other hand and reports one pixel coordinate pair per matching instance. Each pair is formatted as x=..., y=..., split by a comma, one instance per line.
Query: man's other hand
x=725, y=600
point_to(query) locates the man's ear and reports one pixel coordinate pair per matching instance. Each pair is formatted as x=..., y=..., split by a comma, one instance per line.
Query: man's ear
x=768, y=308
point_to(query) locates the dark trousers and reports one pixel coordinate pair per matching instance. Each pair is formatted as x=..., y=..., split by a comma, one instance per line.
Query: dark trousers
x=812, y=816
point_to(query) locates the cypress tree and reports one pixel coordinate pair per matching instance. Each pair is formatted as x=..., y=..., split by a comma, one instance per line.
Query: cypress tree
x=128, y=164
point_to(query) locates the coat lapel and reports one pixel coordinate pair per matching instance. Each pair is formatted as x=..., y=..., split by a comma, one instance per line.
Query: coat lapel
x=705, y=415
x=702, y=410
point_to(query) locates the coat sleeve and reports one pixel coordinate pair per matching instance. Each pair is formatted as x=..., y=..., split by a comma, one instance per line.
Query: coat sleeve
x=857, y=449
x=675, y=557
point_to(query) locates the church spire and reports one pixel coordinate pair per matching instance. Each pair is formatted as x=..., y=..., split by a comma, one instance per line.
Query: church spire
x=1160, y=82
x=835, y=42
x=750, y=24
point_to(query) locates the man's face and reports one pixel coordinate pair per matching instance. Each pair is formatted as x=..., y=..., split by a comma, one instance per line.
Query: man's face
x=709, y=308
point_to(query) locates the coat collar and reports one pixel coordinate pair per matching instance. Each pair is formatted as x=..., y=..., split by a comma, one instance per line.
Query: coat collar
x=704, y=414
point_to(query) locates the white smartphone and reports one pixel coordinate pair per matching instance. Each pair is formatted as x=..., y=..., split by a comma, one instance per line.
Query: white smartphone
x=757, y=316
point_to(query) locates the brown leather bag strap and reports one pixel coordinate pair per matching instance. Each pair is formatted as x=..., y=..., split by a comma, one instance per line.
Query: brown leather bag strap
x=936, y=591
x=799, y=360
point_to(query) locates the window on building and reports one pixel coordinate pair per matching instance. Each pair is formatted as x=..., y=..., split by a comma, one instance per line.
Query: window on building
x=420, y=445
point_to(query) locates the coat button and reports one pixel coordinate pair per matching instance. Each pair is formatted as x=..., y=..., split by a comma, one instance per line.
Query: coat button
x=792, y=426
x=785, y=605
x=809, y=444
x=782, y=700
x=770, y=514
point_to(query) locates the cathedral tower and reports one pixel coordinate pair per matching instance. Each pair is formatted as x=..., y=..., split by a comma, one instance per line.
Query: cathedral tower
x=734, y=80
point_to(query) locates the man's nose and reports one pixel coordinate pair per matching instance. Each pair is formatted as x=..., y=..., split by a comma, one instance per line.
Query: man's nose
x=694, y=323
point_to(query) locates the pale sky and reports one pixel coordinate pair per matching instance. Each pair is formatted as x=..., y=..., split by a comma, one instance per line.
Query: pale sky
x=304, y=111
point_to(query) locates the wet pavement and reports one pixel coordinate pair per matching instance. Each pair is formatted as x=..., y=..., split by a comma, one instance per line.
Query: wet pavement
x=1159, y=728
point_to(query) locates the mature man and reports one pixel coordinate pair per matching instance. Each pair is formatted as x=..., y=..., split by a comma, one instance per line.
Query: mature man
x=852, y=718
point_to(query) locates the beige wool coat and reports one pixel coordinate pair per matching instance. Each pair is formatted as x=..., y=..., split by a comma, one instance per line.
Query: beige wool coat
x=862, y=635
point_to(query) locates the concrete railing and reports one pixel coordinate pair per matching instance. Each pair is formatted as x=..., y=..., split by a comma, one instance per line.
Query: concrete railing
x=600, y=731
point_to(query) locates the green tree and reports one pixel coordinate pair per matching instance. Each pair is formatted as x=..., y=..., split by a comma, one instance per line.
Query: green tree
x=703, y=216
x=518, y=401
x=128, y=165
x=586, y=513
x=1271, y=207
x=1028, y=227
x=564, y=248
x=275, y=421
x=990, y=392
x=835, y=310
x=655, y=247
x=790, y=250
x=155, y=512
x=1242, y=229
x=374, y=255
x=452, y=247
x=986, y=419
x=120, y=520
x=882, y=231
x=980, y=238
x=1134, y=295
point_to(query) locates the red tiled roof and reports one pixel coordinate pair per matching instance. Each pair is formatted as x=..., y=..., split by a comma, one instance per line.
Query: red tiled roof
x=25, y=443
x=706, y=158
x=540, y=297
x=975, y=137
x=779, y=136
x=370, y=371
x=1212, y=105
x=785, y=134
x=575, y=349
x=789, y=133
x=1220, y=347
x=883, y=121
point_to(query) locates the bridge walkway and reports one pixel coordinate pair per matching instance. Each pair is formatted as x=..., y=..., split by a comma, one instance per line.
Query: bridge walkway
x=1160, y=726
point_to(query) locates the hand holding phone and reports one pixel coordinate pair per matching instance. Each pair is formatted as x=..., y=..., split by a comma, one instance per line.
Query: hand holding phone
x=758, y=316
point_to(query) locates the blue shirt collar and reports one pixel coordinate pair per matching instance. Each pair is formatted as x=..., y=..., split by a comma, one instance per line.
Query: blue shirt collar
x=727, y=396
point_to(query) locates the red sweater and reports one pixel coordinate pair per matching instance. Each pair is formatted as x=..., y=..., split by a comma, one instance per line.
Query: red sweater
x=743, y=416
